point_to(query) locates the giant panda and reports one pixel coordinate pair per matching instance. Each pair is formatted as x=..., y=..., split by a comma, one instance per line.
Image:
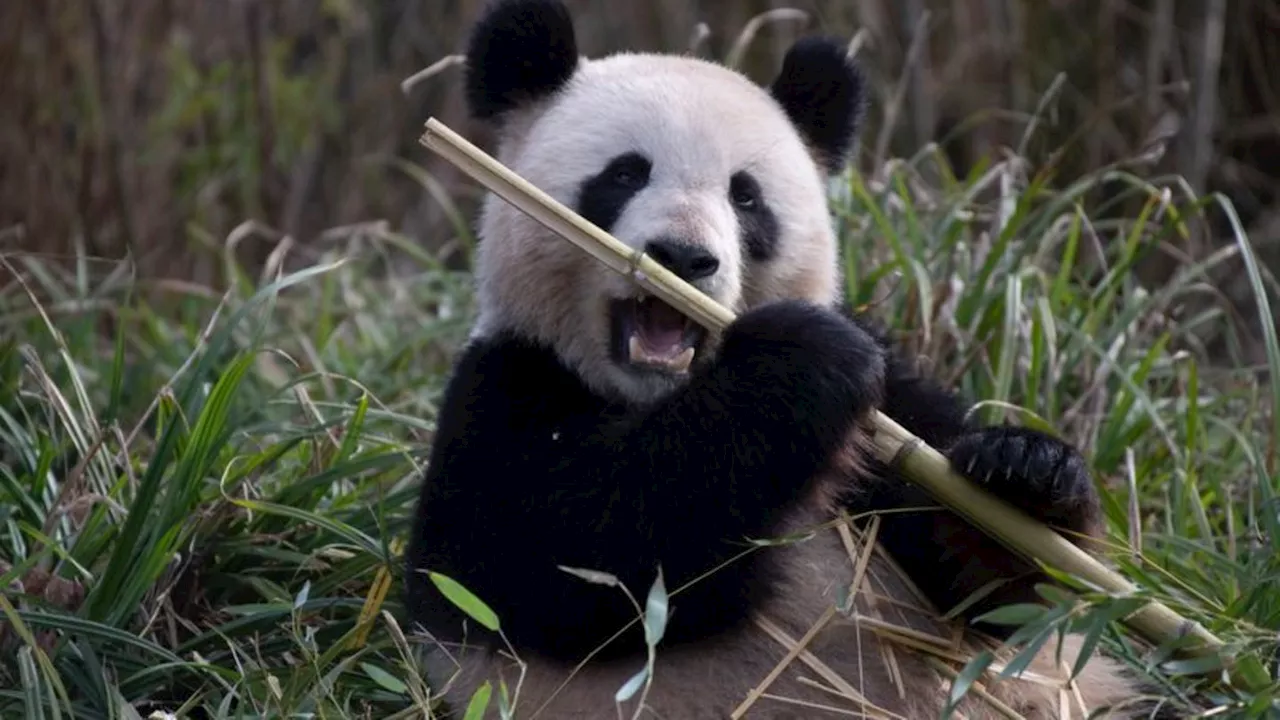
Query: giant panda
x=588, y=426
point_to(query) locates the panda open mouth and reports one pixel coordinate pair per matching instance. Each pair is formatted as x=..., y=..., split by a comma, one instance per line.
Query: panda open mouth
x=650, y=334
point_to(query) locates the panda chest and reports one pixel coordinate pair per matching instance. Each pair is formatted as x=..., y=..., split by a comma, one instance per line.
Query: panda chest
x=569, y=435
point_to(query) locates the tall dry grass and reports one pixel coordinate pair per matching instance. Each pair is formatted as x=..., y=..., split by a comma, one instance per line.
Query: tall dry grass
x=154, y=129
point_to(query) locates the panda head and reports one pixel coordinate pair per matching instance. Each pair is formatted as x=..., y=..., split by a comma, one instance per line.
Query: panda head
x=716, y=177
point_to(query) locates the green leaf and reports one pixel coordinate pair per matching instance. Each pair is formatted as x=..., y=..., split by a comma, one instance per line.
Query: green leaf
x=630, y=687
x=1015, y=614
x=655, y=612
x=965, y=679
x=479, y=702
x=384, y=679
x=593, y=576
x=465, y=601
x=1027, y=655
x=1117, y=609
x=354, y=429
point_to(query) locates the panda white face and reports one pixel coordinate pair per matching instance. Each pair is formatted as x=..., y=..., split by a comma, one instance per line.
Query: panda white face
x=704, y=170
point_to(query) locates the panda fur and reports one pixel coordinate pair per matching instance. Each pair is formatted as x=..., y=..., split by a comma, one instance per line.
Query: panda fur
x=553, y=449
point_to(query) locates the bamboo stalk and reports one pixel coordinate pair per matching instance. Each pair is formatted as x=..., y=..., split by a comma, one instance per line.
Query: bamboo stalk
x=894, y=445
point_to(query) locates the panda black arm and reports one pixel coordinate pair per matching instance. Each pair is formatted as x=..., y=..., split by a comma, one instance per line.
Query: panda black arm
x=948, y=557
x=532, y=471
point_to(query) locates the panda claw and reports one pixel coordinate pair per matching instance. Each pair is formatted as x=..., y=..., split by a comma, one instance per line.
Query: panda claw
x=1039, y=474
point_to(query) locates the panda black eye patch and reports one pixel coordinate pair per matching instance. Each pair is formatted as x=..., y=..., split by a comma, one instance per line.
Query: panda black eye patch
x=758, y=223
x=603, y=196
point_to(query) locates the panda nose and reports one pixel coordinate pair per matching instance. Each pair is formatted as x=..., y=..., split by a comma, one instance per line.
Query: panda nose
x=690, y=262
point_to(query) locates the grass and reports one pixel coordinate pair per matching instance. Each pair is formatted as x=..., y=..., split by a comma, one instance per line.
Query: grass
x=203, y=496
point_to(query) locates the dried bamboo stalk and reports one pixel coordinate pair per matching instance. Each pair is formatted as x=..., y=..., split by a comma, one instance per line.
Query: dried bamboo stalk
x=894, y=445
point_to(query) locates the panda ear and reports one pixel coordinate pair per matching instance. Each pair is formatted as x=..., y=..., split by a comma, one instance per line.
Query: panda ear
x=519, y=51
x=824, y=94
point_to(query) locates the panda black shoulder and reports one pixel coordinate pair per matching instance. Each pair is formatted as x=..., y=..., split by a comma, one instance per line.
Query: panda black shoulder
x=520, y=51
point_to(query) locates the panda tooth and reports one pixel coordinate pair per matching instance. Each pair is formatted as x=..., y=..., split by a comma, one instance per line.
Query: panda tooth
x=681, y=362
x=633, y=347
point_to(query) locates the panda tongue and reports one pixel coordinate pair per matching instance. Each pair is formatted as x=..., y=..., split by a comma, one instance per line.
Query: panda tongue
x=661, y=326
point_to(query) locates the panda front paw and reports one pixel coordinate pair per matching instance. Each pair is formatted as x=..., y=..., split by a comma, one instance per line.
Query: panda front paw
x=1038, y=473
x=829, y=366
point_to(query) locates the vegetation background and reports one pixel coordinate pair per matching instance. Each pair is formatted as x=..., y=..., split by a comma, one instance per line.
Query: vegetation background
x=202, y=473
